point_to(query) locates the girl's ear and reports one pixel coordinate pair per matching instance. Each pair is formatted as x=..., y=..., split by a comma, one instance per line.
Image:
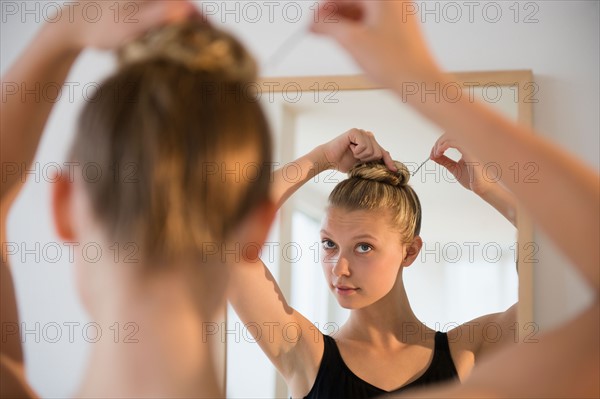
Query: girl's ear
x=254, y=229
x=62, y=200
x=413, y=251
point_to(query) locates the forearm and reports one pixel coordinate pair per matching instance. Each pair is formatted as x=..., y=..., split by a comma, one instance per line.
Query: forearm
x=503, y=201
x=288, y=179
x=25, y=106
x=562, y=184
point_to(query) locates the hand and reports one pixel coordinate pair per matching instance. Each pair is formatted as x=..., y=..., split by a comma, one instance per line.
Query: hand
x=356, y=145
x=468, y=171
x=383, y=36
x=117, y=22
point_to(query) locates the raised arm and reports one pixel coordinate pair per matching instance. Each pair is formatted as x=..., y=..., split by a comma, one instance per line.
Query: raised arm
x=469, y=172
x=46, y=62
x=340, y=153
x=254, y=293
x=474, y=340
x=385, y=38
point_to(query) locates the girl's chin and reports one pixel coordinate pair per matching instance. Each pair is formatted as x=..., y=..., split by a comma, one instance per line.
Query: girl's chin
x=348, y=303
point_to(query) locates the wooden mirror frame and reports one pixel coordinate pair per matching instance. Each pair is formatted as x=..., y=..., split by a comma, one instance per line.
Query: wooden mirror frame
x=520, y=81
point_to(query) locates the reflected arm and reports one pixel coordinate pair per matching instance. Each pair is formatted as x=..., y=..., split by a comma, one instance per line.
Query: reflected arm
x=503, y=201
x=562, y=182
x=341, y=153
x=293, y=175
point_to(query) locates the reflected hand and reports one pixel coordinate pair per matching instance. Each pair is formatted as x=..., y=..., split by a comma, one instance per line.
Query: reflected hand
x=468, y=171
x=356, y=145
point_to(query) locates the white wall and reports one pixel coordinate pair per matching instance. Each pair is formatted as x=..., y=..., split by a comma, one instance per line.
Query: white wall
x=562, y=49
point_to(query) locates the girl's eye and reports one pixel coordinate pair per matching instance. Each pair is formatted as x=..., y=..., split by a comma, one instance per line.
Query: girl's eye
x=328, y=244
x=363, y=248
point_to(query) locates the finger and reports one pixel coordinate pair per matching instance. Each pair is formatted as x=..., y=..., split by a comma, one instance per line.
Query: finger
x=443, y=137
x=359, y=137
x=441, y=148
x=365, y=151
x=182, y=10
x=156, y=13
x=372, y=144
x=446, y=162
x=375, y=156
x=434, y=151
x=196, y=15
x=357, y=144
x=389, y=162
x=340, y=20
x=354, y=135
x=336, y=10
x=149, y=16
x=445, y=145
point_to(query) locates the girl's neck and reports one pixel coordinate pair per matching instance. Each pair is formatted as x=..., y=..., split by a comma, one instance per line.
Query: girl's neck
x=154, y=343
x=388, y=321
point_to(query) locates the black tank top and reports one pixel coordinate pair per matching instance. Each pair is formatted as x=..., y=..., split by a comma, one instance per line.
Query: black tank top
x=336, y=381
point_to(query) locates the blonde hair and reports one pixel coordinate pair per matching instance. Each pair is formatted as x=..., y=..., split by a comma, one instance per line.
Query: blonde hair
x=372, y=186
x=190, y=148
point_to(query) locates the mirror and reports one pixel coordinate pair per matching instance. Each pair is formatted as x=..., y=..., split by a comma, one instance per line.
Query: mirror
x=467, y=266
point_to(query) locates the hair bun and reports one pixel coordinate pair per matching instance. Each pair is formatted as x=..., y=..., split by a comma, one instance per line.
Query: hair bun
x=195, y=45
x=377, y=171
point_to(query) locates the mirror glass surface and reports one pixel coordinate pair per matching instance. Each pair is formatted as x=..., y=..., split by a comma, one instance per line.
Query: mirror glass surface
x=467, y=266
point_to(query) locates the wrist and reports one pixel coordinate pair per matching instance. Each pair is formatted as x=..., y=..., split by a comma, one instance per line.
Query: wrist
x=492, y=194
x=319, y=160
x=63, y=37
x=485, y=193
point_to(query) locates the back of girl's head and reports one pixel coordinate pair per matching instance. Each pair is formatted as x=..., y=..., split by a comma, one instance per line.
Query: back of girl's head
x=174, y=148
x=372, y=186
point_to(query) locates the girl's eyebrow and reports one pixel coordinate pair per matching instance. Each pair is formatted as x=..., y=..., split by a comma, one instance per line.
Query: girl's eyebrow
x=365, y=236
x=358, y=237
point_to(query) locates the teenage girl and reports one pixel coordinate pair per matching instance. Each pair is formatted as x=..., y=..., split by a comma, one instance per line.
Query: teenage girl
x=385, y=39
x=166, y=117
x=369, y=234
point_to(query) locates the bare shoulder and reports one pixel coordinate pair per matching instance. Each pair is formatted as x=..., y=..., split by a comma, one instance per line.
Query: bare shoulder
x=475, y=339
x=560, y=363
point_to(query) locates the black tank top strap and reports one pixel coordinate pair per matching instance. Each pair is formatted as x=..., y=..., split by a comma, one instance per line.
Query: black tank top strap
x=444, y=356
x=441, y=367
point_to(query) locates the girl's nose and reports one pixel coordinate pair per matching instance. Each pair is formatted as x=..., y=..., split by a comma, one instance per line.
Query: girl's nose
x=340, y=267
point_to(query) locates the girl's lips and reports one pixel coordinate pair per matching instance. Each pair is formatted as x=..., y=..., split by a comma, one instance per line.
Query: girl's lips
x=342, y=290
